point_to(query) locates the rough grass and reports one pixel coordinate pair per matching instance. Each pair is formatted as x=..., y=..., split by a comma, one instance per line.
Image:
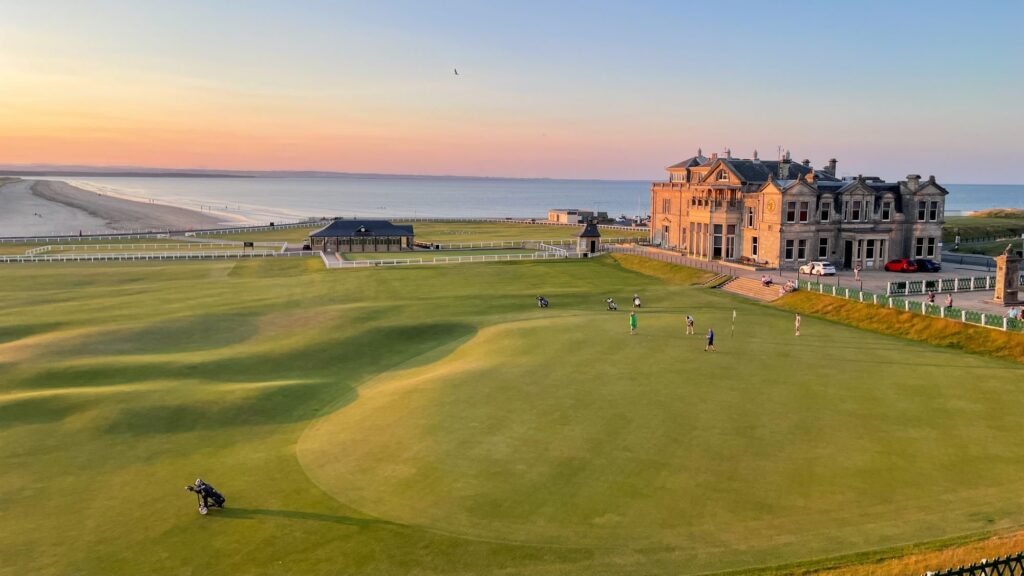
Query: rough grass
x=982, y=225
x=989, y=248
x=937, y=331
x=433, y=420
x=662, y=270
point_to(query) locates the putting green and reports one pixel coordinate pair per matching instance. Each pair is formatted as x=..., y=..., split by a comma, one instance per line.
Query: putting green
x=435, y=421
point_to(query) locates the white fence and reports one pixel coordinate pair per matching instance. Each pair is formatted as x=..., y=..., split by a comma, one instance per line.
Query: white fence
x=521, y=243
x=279, y=247
x=447, y=260
x=938, y=285
x=136, y=256
x=996, y=321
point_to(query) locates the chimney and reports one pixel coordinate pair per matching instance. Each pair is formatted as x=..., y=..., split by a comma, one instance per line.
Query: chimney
x=931, y=178
x=913, y=181
x=728, y=153
x=755, y=155
x=784, y=167
x=832, y=167
x=714, y=156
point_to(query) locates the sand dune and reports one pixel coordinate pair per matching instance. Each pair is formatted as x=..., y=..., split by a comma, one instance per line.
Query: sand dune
x=45, y=207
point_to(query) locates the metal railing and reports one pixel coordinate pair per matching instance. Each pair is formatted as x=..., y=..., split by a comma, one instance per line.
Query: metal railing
x=988, y=320
x=938, y=285
x=679, y=259
x=1012, y=565
x=447, y=260
x=135, y=256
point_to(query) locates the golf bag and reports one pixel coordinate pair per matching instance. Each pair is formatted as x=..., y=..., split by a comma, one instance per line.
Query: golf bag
x=542, y=302
x=207, y=495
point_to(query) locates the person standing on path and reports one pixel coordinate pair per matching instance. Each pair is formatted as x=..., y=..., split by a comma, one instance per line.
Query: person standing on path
x=632, y=322
x=797, y=323
x=711, y=341
x=689, y=324
x=949, y=300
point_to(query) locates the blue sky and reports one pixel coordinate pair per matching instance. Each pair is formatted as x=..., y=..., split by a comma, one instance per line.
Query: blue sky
x=560, y=89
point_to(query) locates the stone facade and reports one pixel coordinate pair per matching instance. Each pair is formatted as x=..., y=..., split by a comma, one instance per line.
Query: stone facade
x=782, y=213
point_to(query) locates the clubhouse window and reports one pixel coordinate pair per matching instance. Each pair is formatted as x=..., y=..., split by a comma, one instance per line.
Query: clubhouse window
x=750, y=216
x=790, y=211
x=804, y=207
x=801, y=250
x=869, y=250
x=886, y=211
x=823, y=248
x=855, y=215
x=789, y=249
x=723, y=176
x=919, y=248
x=921, y=211
x=846, y=211
x=753, y=246
x=933, y=211
x=666, y=205
x=826, y=208
x=930, y=248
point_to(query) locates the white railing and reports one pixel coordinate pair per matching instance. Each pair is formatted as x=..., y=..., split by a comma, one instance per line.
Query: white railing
x=133, y=256
x=940, y=285
x=988, y=320
x=554, y=249
x=446, y=260
x=521, y=243
x=145, y=247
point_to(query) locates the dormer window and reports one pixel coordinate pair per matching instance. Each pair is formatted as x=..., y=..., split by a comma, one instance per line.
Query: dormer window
x=723, y=176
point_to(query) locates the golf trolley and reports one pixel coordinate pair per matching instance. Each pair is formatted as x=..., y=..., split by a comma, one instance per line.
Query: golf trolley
x=208, y=497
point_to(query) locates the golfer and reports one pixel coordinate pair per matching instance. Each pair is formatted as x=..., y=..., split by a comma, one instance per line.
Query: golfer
x=689, y=324
x=636, y=300
x=796, y=323
x=711, y=341
x=632, y=322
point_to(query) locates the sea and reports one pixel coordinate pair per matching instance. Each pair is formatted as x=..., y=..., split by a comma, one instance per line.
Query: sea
x=258, y=200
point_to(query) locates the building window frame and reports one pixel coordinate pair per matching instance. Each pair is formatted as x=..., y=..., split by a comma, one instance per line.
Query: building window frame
x=921, y=209
x=801, y=249
x=722, y=176
x=930, y=245
x=886, y=210
x=666, y=205
x=805, y=208
x=753, y=246
x=919, y=247
x=855, y=211
x=789, y=250
x=826, y=209
x=933, y=211
x=790, y=212
x=823, y=248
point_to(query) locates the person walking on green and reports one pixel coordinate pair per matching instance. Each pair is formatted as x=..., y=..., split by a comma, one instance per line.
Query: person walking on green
x=711, y=341
x=632, y=322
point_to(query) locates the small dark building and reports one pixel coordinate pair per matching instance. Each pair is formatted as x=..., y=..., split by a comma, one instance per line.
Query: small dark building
x=362, y=236
x=589, y=238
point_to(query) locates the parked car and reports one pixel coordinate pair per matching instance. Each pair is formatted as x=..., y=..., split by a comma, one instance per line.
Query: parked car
x=820, y=268
x=901, y=265
x=927, y=265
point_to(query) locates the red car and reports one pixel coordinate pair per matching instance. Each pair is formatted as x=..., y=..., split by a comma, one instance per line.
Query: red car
x=901, y=265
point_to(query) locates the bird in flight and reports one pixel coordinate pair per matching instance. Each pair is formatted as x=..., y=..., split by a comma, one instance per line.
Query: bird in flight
x=456, y=71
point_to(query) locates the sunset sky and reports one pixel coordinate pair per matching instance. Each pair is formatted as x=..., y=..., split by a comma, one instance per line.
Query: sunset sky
x=552, y=89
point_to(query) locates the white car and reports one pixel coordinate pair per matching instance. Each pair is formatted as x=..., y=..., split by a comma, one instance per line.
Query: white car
x=818, y=269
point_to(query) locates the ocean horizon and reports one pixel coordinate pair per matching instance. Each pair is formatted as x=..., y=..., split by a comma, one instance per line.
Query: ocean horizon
x=264, y=199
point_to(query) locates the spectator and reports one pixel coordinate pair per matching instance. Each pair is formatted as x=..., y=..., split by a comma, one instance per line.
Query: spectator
x=931, y=297
x=949, y=301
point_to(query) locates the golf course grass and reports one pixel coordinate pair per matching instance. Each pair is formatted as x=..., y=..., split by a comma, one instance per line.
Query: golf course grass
x=446, y=232
x=434, y=420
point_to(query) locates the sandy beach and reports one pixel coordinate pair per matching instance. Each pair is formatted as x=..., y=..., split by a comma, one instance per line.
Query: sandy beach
x=50, y=207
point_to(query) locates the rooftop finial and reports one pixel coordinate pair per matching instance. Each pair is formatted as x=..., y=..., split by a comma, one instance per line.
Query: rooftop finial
x=728, y=152
x=700, y=152
x=755, y=154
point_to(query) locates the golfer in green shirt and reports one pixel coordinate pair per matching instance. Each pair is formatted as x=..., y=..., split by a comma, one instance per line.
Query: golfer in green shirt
x=632, y=322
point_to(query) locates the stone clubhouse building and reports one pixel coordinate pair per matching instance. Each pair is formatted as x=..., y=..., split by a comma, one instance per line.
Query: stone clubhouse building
x=781, y=214
x=362, y=236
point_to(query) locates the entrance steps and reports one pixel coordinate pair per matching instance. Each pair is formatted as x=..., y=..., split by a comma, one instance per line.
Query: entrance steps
x=752, y=288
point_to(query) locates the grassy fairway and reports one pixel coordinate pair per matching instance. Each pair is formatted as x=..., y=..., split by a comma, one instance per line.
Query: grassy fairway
x=430, y=255
x=448, y=232
x=434, y=421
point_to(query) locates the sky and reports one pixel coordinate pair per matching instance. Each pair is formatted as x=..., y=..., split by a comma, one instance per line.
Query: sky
x=609, y=90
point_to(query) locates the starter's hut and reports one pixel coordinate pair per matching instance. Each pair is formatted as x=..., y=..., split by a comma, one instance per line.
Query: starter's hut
x=362, y=236
x=589, y=238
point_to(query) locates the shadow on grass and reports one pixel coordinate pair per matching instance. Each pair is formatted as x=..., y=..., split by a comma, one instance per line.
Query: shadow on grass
x=255, y=513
